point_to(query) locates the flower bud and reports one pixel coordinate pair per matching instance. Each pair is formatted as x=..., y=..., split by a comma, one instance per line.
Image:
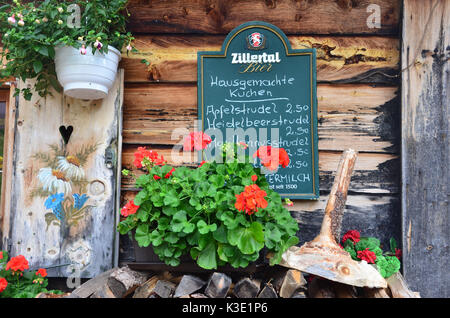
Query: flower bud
x=44, y=19
x=61, y=10
x=11, y=19
x=37, y=21
x=60, y=22
x=21, y=23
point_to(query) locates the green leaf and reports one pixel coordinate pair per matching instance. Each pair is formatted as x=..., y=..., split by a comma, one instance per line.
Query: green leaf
x=171, y=199
x=220, y=234
x=43, y=51
x=272, y=235
x=141, y=197
x=393, y=244
x=248, y=240
x=178, y=221
x=188, y=228
x=204, y=228
x=156, y=238
x=207, y=257
x=142, y=235
x=37, y=66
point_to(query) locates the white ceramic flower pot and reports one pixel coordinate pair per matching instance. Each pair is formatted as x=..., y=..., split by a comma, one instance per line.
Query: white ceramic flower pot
x=88, y=76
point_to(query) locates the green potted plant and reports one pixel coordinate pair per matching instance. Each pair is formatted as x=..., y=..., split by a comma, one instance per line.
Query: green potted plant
x=221, y=212
x=73, y=44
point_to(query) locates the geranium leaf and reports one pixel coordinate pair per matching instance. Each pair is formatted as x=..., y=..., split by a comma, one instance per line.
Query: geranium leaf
x=207, y=257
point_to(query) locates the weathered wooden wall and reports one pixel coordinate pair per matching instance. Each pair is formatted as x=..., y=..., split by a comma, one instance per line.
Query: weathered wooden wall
x=358, y=91
x=425, y=146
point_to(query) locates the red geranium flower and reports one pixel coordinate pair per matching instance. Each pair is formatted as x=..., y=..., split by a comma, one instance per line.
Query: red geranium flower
x=41, y=272
x=398, y=253
x=1, y=255
x=353, y=235
x=367, y=256
x=272, y=157
x=129, y=208
x=169, y=174
x=156, y=177
x=251, y=199
x=196, y=141
x=3, y=284
x=254, y=178
x=201, y=163
x=151, y=155
x=18, y=263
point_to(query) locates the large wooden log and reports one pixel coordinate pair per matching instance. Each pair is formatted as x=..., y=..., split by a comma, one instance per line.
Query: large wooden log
x=293, y=17
x=359, y=116
x=339, y=59
x=425, y=146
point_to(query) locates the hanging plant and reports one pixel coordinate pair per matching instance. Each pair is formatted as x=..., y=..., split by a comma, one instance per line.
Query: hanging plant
x=34, y=31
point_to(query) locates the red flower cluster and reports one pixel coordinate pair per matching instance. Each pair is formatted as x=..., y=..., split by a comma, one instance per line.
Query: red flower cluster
x=367, y=256
x=196, y=141
x=18, y=263
x=169, y=174
x=1, y=255
x=254, y=178
x=129, y=208
x=251, y=199
x=272, y=157
x=352, y=235
x=41, y=272
x=151, y=155
x=3, y=284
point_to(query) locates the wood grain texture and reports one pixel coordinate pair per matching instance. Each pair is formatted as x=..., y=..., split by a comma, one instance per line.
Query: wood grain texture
x=339, y=59
x=374, y=173
x=358, y=116
x=88, y=243
x=425, y=146
x=293, y=17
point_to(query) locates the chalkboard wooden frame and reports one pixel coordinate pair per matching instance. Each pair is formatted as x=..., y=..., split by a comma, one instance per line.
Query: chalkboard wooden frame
x=202, y=55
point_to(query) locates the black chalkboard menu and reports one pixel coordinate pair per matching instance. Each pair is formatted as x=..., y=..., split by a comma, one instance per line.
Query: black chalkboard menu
x=259, y=91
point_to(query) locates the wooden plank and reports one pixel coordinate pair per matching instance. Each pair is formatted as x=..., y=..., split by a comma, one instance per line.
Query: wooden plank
x=358, y=116
x=76, y=238
x=372, y=215
x=7, y=169
x=425, y=146
x=374, y=173
x=293, y=17
x=339, y=59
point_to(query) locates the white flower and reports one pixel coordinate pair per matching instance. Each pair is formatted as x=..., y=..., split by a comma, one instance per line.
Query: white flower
x=54, y=181
x=11, y=19
x=21, y=23
x=37, y=21
x=71, y=167
x=83, y=50
x=60, y=22
x=44, y=19
x=61, y=10
x=129, y=47
x=98, y=44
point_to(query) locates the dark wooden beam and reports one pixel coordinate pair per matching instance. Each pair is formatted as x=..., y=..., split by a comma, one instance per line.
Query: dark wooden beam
x=425, y=146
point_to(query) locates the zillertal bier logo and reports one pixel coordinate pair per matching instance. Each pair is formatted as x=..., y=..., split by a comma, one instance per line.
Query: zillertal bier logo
x=256, y=41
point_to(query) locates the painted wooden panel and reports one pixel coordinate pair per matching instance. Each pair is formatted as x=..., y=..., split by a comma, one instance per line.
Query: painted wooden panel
x=339, y=59
x=63, y=198
x=292, y=16
x=425, y=146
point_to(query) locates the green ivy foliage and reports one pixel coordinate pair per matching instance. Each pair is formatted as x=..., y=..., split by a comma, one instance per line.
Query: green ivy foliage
x=193, y=212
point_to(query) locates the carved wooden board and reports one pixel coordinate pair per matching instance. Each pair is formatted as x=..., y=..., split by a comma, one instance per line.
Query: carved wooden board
x=63, y=199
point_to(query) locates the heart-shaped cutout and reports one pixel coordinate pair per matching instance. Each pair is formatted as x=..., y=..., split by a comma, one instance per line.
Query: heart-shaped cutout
x=66, y=133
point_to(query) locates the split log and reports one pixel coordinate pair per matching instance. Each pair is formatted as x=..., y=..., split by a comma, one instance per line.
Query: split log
x=124, y=281
x=92, y=285
x=398, y=287
x=147, y=288
x=320, y=288
x=376, y=293
x=344, y=291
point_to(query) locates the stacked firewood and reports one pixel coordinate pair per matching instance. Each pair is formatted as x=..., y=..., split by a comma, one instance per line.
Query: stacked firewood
x=272, y=283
